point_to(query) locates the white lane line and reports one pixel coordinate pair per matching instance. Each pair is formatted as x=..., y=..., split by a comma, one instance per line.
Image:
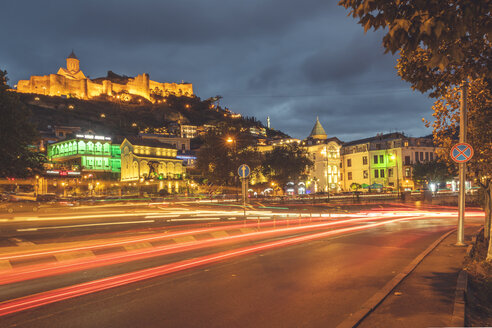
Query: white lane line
x=162, y=216
x=95, y=215
x=85, y=225
x=195, y=219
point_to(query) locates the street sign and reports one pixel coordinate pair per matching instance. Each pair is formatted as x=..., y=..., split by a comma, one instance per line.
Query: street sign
x=461, y=152
x=243, y=171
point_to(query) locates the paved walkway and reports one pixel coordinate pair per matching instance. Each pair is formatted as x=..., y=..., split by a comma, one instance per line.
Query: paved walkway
x=426, y=297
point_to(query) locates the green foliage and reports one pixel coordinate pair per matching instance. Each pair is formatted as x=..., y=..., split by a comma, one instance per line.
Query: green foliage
x=355, y=186
x=17, y=135
x=286, y=163
x=433, y=171
x=218, y=160
x=441, y=42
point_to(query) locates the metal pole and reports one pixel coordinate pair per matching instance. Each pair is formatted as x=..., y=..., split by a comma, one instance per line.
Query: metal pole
x=397, y=178
x=462, y=168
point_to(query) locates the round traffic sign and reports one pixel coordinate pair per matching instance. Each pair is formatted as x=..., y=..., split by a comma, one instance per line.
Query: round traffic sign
x=461, y=152
x=243, y=171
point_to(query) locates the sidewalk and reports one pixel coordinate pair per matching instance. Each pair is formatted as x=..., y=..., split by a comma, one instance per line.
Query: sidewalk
x=426, y=297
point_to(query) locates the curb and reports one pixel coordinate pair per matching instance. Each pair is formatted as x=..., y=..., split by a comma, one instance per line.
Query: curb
x=458, y=318
x=380, y=295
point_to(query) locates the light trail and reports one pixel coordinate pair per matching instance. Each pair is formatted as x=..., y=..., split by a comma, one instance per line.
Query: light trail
x=126, y=241
x=44, y=298
x=85, y=225
x=50, y=269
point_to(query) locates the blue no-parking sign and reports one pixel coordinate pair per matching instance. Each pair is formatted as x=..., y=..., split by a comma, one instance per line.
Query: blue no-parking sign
x=461, y=152
x=243, y=171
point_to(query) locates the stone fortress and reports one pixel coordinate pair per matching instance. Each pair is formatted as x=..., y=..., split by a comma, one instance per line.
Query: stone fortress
x=71, y=82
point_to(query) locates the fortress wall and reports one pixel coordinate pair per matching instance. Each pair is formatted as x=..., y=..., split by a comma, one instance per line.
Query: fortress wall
x=139, y=85
x=107, y=88
x=39, y=84
x=24, y=86
x=57, y=85
x=94, y=89
x=117, y=88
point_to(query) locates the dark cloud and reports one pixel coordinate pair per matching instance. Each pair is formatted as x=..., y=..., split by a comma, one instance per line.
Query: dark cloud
x=290, y=60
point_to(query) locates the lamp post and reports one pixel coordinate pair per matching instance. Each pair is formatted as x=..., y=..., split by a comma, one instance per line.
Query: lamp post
x=325, y=151
x=393, y=157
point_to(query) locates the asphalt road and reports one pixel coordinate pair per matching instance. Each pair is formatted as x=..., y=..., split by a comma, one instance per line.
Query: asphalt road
x=316, y=283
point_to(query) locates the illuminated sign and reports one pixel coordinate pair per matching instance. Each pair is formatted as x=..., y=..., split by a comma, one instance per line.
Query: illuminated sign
x=92, y=137
x=63, y=173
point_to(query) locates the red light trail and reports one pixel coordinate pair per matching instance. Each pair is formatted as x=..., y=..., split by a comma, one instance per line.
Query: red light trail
x=65, y=293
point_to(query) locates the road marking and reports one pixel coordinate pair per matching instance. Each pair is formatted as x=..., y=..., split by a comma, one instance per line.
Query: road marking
x=184, y=239
x=5, y=265
x=85, y=225
x=162, y=216
x=219, y=234
x=21, y=242
x=73, y=255
x=195, y=219
x=136, y=246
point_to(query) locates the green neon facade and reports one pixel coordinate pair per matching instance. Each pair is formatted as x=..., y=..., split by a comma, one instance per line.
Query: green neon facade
x=89, y=155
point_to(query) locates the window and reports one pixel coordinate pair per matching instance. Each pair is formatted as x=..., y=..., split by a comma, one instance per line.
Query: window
x=405, y=143
x=381, y=159
x=381, y=173
x=341, y=176
x=407, y=160
x=421, y=156
x=375, y=159
x=426, y=156
x=349, y=175
x=349, y=162
x=183, y=147
x=376, y=173
x=416, y=157
x=365, y=174
x=408, y=172
x=364, y=160
x=432, y=156
x=390, y=173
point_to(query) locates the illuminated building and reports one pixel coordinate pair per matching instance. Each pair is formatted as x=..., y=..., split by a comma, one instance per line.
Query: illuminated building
x=324, y=176
x=72, y=82
x=87, y=153
x=384, y=161
x=149, y=159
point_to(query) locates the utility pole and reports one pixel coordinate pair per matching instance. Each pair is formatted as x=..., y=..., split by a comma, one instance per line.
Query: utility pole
x=462, y=167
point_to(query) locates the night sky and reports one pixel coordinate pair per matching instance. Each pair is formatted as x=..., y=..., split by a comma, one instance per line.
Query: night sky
x=290, y=60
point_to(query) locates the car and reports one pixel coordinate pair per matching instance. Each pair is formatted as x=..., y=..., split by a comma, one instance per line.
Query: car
x=19, y=206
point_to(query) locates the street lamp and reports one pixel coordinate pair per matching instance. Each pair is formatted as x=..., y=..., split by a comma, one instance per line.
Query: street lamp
x=325, y=152
x=393, y=157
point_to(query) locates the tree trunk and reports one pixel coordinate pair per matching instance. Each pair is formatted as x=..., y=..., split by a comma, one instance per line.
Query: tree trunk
x=488, y=214
x=487, y=209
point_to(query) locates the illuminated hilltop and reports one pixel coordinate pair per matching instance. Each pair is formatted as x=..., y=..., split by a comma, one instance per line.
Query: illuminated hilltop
x=71, y=82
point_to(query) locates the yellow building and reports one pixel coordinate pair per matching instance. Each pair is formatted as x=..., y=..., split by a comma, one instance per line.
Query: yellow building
x=324, y=176
x=148, y=159
x=384, y=161
x=72, y=82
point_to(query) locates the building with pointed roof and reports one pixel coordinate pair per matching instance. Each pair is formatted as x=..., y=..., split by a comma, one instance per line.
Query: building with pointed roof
x=318, y=132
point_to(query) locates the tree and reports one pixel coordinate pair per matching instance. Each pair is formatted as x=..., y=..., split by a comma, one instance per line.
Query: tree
x=449, y=37
x=285, y=164
x=222, y=152
x=479, y=133
x=17, y=135
x=434, y=171
x=441, y=43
